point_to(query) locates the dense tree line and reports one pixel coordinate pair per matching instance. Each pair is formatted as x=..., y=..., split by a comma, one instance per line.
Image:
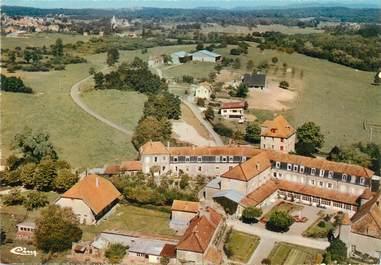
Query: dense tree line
x=354, y=51
x=14, y=84
x=131, y=76
x=38, y=167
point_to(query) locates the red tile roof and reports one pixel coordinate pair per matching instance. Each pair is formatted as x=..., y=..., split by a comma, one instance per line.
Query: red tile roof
x=131, y=166
x=278, y=127
x=185, y=206
x=200, y=232
x=169, y=251
x=97, y=192
x=233, y=105
x=215, y=150
x=249, y=169
x=153, y=148
x=260, y=194
x=112, y=170
x=339, y=167
x=367, y=220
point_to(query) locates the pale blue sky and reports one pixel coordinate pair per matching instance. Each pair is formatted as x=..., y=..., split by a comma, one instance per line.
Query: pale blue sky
x=182, y=3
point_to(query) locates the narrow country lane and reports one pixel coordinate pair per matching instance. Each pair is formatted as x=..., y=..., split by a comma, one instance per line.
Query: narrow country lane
x=216, y=138
x=76, y=96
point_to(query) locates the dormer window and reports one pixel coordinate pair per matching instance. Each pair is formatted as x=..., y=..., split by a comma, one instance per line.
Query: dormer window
x=273, y=130
x=344, y=177
x=199, y=159
x=296, y=168
x=321, y=173
x=187, y=159
x=277, y=164
x=301, y=169
x=330, y=174
x=289, y=167
x=313, y=171
x=175, y=159
x=362, y=181
x=230, y=159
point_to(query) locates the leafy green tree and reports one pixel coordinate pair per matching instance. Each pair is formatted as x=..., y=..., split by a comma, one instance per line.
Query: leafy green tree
x=164, y=260
x=57, y=48
x=11, y=57
x=242, y=91
x=279, y=221
x=209, y=114
x=337, y=251
x=35, y=199
x=201, y=102
x=3, y=236
x=112, y=56
x=65, y=180
x=34, y=146
x=14, y=197
x=57, y=229
x=310, y=139
x=237, y=63
x=13, y=162
x=150, y=128
x=44, y=175
x=12, y=177
x=221, y=129
x=99, y=80
x=14, y=84
x=188, y=79
x=249, y=65
x=199, y=46
x=165, y=105
x=115, y=253
x=284, y=84
x=92, y=70
x=27, y=56
x=250, y=214
x=184, y=181
x=253, y=133
x=27, y=174
x=274, y=59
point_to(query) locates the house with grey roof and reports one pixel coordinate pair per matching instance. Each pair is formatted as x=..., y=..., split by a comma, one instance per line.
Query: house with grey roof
x=206, y=56
x=255, y=80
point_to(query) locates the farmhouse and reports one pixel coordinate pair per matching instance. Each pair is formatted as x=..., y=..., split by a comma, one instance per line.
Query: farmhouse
x=131, y=167
x=181, y=57
x=199, y=242
x=255, y=80
x=233, y=110
x=278, y=134
x=182, y=213
x=206, y=56
x=203, y=90
x=90, y=198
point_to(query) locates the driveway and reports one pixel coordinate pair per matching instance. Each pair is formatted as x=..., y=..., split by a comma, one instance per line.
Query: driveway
x=268, y=239
x=76, y=96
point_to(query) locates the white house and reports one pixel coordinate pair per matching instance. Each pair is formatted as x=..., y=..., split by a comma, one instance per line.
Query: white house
x=90, y=198
x=181, y=57
x=203, y=90
x=206, y=56
x=278, y=135
x=233, y=110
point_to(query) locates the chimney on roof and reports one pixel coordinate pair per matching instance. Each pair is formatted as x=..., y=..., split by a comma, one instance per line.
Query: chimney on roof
x=168, y=144
x=258, y=166
x=96, y=182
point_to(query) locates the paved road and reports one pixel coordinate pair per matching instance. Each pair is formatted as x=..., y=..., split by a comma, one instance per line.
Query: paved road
x=269, y=238
x=198, y=114
x=75, y=95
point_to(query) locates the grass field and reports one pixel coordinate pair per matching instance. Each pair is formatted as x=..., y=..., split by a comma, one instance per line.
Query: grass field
x=122, y=107
x=41, y=39
x=336, y=97
x=242, y=245
x=288, y=254
x=130, y=218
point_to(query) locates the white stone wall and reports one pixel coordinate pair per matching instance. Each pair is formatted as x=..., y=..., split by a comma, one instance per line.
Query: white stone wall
x=227, y=112
x=365, y=244
x=274, y=143
x=205, y=169
x=148, y=161
x=202, y=92
x=203, y=58
x=79, y=208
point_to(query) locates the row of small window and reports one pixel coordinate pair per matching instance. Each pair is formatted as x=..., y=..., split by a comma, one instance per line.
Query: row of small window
x=216, y=159
x=200, y=168
x=318, y=200
x=26, y=229
x=300, y=169
x=311, y=182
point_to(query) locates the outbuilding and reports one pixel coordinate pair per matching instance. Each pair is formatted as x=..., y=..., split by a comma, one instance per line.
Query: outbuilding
x=206, y=56
x=255, y=80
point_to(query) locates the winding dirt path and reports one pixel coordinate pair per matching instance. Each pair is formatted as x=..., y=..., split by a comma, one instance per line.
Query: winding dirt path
x=75, y=94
